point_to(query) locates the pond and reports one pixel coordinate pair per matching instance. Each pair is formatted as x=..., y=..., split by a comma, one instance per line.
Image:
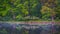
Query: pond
x=7, y=28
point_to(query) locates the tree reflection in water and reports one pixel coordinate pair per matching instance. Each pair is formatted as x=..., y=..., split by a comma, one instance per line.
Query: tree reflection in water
x=6, y=28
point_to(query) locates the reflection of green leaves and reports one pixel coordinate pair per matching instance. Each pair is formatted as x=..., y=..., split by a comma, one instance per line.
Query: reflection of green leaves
x=18, y=28
x=3, y=31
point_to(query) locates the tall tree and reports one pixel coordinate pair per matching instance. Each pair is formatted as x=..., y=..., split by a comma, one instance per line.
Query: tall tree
x=48, y=9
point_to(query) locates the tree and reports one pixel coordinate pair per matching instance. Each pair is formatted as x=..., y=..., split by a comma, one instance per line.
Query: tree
x=57, y=9
x=48, y=9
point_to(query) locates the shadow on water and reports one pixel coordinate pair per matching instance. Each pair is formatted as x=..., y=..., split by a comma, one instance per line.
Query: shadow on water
x=6, y=28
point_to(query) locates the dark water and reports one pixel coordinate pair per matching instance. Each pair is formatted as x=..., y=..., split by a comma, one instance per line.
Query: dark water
x=6, y=28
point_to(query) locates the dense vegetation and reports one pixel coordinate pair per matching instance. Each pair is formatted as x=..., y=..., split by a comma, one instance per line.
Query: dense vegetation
x=6, y=28
x=21, y=10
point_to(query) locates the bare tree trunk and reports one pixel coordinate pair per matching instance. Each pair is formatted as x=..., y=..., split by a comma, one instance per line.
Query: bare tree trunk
x=13, y=16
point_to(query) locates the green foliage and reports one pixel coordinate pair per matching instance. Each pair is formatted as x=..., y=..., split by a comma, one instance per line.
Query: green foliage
x=3, y=32
x=58, y=9
x=46, y=12
x=18, y=9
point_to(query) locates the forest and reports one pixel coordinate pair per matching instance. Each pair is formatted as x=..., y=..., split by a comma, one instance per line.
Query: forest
x=24, y=10
x=28, y=11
